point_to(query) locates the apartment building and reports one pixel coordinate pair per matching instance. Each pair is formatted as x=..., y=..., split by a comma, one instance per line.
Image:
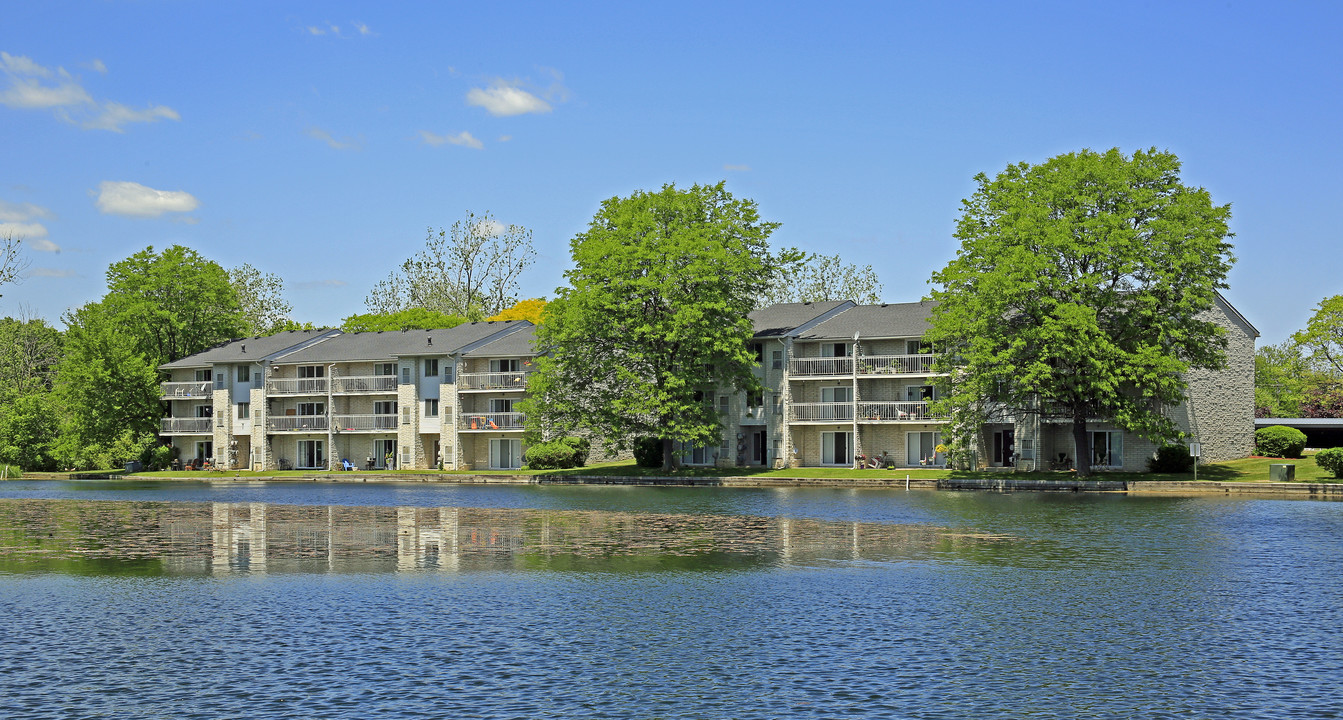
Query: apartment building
x=316, y=400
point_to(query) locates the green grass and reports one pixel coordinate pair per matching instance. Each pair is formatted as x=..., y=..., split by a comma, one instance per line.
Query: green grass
x=1253, y=469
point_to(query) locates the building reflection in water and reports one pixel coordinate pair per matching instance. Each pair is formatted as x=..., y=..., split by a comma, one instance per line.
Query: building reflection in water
x=255, y=538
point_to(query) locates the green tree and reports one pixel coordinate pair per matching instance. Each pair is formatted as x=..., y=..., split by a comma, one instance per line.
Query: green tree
x=1281, y=373
x=172, y=304
x=29, y=352
x=408, y=319
x=261, y=301
x=655, y=314
x=107, y=387
x=809, y=277
x=471, y=270
x=1079, y=291
x=1323, y=336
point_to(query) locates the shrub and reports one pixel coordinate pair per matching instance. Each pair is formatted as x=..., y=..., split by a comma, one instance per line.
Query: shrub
x=158, y=457
x=1331, y=459
x=648, y=452
x=1279, y=441
x=567, y=452
x=10, y=471
x=1171, y=459
x=581, y=446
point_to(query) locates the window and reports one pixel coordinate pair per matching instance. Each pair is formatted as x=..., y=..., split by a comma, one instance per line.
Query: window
x=204, y=411
x=776, y=359
x=692, y=454
x=917, y=347
x=919, y=393
x=405, y=416
x=220, y=381
x=505, y=365
x=384, y=408
x=310, y=454
x=835, y=350
x=723, y=404
x=1107, y=448
x=755, y=403
x=921, y=448
x=311, y=408
x=384, y=369
x=311, y=371
x=405, y=375
x=244, y=373
x=836, y=448
x=759, y=350
x=431, y=407
x=505, y=454
x=838, y=394
x=501, y=405
x=244, y=410
x=202, y=376
x=431, y=367
x=776, y=399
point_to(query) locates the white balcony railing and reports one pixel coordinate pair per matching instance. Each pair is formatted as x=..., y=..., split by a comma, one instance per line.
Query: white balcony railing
x=821, y=412
x=187, y=425
x=173, y=390
x=912, y=411
x=492, y=421
x=363, y=384
x=820, y=366
x=365, y=423
x=896, y=364
x=296, y=386
x=297, y=423
x=492, y=381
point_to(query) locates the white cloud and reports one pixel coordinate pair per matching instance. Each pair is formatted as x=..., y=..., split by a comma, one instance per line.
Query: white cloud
x=505, y=138
x=463, y=138
x=736, y=168
x=114, y=115
x=503, y=99
x=97, y=66
x=31, y=86
x=27, y=231
x=42, y=244
x=363, y=29
x=52, y=273
x=18, y=212
x=490, y=228
x=314, y=30
x=326, y=137
x=136, y=200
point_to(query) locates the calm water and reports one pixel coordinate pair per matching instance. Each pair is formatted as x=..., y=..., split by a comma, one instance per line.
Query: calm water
x=335, y=601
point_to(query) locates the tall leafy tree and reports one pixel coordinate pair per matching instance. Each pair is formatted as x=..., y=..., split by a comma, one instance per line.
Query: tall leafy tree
x=261, y=300
x=470, y=269
x=1281, y=374
x=654, y=315
x=530, y=310
x=409, y=319
x=1323, y=336
x=172, y=304
x=1079, y=291
x=29, y=352
x=811, y=277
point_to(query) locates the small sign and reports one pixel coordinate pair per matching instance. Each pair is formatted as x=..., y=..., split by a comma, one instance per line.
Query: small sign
x=1195, y=449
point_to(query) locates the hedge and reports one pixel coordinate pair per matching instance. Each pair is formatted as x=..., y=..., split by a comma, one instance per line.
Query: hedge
x=1279, y=441
x=1331, y=459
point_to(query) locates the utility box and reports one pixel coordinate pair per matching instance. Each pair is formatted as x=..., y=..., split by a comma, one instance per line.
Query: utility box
x=1282, y=473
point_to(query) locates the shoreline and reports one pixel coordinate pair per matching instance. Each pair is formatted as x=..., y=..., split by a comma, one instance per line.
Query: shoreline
x=1331, y=491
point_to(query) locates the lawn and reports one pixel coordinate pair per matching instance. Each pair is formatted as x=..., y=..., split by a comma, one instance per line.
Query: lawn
x=1253, y=469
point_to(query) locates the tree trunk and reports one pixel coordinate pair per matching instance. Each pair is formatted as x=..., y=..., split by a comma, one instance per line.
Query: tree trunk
x=1081, y=442
x=668, y=455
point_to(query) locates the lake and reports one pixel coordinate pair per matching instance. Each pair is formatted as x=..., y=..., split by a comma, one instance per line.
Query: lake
x=230, y=600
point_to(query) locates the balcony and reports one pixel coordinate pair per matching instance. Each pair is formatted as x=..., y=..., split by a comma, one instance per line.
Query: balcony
x=186, y=426
x=492, y=381
x=366, y=423
x=489, y=422
x=297, y=423
x=820, y=366
x=910, y=411
x=185, y=390
x=821, y=412
x=296, y=386
x=363, y=384
x=895, y=365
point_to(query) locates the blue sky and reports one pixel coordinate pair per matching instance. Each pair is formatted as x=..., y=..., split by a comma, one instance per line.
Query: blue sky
x=318, y=141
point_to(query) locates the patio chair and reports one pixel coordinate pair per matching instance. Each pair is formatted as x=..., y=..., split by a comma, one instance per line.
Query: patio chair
x=347, y=465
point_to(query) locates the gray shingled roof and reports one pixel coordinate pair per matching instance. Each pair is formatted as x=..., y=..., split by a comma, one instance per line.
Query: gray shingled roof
x=351, y=347
x=248, y=349
x=780, y=318
x=518, y=344
x=892, y=320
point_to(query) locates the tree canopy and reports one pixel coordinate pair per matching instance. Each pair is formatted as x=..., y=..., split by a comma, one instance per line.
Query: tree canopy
x=471, y=270
x=408, y=319
x=655, y=315
x=1080, y=291
x=529, y=310
x=1323, y=336
x=261, y=301
x=811, y=277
